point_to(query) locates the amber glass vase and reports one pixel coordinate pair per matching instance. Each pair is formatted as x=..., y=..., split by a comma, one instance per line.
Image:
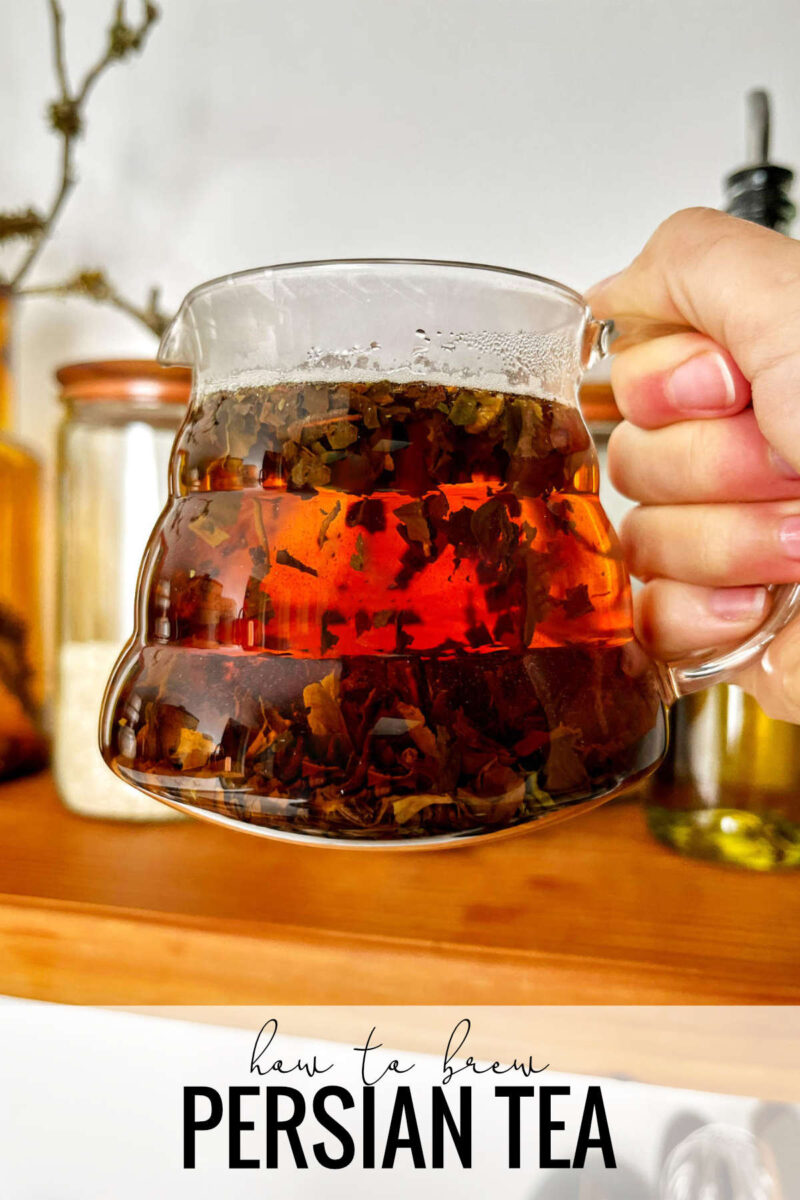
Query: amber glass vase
x=22, y=743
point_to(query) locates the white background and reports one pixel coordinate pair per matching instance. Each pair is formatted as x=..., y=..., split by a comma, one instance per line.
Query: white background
x=90, y=1109
x=550, y=135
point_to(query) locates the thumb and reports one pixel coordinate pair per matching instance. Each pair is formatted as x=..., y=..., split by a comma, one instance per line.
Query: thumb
x=735, y=282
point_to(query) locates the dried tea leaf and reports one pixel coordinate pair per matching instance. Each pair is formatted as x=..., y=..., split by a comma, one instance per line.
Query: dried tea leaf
x=561, y=514
x=325, y=718
x=496, y=809
x=418, y=731
x=328, y=638
x=193, y=751
x=413, y=517
x=536, y=793
x=565, y=770
x=494, y=531
x=314, y=398
x=576, y=602
x=369, y=513
x=309, y=470
x=288, y=560
x=406, y=807
x=342, y=434
x=363, y=622
x=206, y=528
x=489, y=409
x=464, y=410
x=330, y=517
x=359, y=559
x=219, y=515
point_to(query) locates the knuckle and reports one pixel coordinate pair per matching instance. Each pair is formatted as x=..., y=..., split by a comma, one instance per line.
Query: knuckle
x=715, y=548
x=691, y=467
x=648, y=615
x=635, y=540
x=688, y=225
x=620, y=459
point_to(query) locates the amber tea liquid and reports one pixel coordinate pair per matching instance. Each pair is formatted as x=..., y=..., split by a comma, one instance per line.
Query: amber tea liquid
x=384, y=611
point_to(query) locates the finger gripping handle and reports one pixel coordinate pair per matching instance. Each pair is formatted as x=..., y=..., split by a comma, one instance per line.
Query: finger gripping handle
x=702, y=671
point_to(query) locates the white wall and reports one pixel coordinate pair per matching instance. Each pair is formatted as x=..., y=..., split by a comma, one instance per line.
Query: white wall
x=545, y=134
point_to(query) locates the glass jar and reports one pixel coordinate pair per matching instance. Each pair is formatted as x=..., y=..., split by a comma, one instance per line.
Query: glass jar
x=119, y=423
x=23, y=745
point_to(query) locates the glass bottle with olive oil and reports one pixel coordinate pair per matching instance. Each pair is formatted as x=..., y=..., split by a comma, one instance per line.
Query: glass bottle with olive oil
x=729, y=789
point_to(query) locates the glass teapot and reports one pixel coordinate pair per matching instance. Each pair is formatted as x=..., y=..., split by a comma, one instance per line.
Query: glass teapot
x=383, y=604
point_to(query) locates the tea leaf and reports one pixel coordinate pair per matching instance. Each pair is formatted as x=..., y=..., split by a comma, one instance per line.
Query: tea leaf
x=488, y=412
x=193, y=751
x=576, y=602
x=324, y=713
x=413, y=517
x=359, y=559
x=288, y=560
x=330, y=517
x=406, y=807
x=342, y=435
x=206, y=528
x=418, y=731
x=464, y=409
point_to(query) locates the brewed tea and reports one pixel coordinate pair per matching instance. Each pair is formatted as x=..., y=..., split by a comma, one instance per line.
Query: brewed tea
x=383, y=611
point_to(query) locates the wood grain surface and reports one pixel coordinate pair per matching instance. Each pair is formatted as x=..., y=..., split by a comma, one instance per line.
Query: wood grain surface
x=588, y=912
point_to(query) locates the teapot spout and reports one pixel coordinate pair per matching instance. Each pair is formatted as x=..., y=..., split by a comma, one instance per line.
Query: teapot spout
x=178, y=345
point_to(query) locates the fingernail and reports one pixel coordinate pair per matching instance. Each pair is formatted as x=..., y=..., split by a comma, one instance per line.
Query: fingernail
x=703, y=383
x=782, y=467
x=738, y=604
x=790, y=537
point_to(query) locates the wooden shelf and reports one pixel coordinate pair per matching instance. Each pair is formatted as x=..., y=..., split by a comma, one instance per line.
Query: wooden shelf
x=589, y=912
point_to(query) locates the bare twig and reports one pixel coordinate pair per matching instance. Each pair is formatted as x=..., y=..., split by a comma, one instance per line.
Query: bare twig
x=93, y=285
x=58, y=48
x=122, y=40
x=66, y=112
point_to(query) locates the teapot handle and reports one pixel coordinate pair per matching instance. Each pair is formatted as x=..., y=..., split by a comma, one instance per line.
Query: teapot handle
x=704, y=670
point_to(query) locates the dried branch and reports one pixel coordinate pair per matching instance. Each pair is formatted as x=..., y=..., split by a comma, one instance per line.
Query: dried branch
x=66, y=111
x=58, y=49
x=93, y=285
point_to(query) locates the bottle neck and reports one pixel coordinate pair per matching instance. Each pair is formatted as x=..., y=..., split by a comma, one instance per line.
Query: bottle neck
x=6, y=382
x=761, y=194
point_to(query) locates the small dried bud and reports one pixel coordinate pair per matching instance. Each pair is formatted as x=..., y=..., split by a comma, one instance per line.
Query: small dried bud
x=92, y=283
x=65, y=117
x=24, y=224
x=122, y=39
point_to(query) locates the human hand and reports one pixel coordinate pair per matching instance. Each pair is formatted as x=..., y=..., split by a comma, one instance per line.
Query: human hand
x=707, y=375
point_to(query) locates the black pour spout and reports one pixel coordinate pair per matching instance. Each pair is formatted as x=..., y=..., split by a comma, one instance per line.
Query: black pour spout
x=760, y=191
